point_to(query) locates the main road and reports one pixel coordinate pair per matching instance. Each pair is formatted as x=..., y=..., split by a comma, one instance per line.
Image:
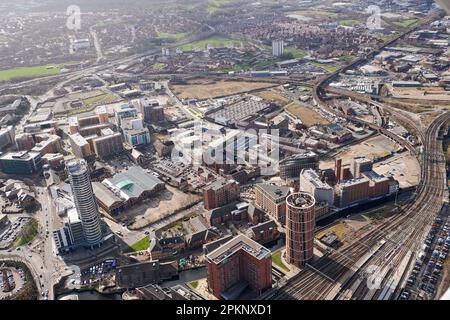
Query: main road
x=110, y=64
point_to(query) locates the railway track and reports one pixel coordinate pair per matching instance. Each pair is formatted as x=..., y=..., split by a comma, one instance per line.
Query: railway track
x=377, y=254
x=403, y=246
x=398, y=235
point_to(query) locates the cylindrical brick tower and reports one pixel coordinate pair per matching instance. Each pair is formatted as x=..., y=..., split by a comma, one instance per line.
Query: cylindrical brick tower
x=300, y=223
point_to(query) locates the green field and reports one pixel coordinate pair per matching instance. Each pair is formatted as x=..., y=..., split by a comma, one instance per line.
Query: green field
x=348, y=58
x=30, y=72
x=349, y=22
x=328, y=67
x=268, y=63
x=276, y=259
x=242, y=66
x=159, y=66
x=176, y=36
x=141, y=245
x=313, y=13
x=215, y=5
x=288, y=51
x=28, y=233
x=102, y=24
x=103, y=98
x=296, y=53
x=407, y=22
x=216, y=42
x=90, y=104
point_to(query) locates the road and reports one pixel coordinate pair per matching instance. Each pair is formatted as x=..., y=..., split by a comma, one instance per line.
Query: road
x=98, y=47
x=40, y=254
x=177, y=102
x=109, y=64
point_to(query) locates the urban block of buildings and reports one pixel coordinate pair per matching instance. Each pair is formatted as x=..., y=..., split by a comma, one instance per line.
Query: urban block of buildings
x=236, y=265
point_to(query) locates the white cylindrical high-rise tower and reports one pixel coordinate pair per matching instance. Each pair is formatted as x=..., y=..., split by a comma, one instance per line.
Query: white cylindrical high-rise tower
x=85, y=202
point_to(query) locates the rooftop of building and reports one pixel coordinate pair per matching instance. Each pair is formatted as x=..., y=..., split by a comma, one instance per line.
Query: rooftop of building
x=300, y=156
x=213, y=245
x=372, y=175
x=362, y=159
x=253, y=211
x=72, y=215
x=150, y=102
x=130, y=91
x=218, y=212
x=104, y=194
x=95, y=126
x=118, y=85
x=73, y=121
x=20, y=155
x=107, y=132
x=100, y=110
x=132, y=132
x=53, y=156
x=301, y=200
x=218, y=184
x=355, y=181
x=230, y=134
x=274, y=191
x=313, y=177
x=133, y=182
x=155, y=292
x=240, y=242
x=78, y=139
x=112, y=136
x=268, y=225
x=198, y=229
x=77, y=166
x=91, y=137
x=80, y=40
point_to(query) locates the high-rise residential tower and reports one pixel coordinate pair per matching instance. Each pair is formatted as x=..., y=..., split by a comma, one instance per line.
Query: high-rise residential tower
x=85, y=202
x=277, y=48
x=300, y=223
